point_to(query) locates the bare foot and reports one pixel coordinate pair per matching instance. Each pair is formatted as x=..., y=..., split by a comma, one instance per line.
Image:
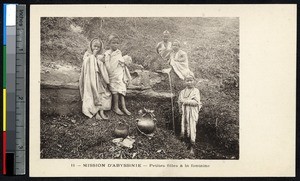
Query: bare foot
x=181, y=136
x=103, y=115
x=98, y=117
x=126, y=111
x=192, y=152
x=189, y=146
x=118, y=111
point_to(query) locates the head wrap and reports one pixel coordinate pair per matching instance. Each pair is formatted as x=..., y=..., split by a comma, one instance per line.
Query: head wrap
x=176, y=41
x=112, y=36
x=166, y=32
x=96, y=39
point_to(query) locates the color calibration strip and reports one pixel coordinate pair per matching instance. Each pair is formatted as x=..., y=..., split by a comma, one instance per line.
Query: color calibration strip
x=4, y=93
x=9, y=89
x=14, y=89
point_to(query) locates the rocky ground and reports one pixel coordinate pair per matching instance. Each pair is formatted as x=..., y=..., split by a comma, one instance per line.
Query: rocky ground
x=67, y=133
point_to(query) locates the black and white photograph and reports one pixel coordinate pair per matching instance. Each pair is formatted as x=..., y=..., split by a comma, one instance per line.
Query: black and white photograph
x=162, y=90
x=139, y=87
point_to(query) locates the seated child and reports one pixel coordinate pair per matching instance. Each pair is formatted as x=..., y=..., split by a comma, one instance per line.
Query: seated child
x=164, y=47
x=93, y=82
x=189, y=106
x=179, y=67
x=179, y=60
x=119, y=76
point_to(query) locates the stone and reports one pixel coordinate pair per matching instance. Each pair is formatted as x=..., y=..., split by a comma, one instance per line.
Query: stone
x=144, y=79
x=60, y=77
x=68, y=77
x=60, y=92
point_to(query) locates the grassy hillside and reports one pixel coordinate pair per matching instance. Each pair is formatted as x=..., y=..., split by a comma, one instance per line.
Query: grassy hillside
x=212, y=45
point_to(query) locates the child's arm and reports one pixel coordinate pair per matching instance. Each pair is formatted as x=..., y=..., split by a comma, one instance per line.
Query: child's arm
x=157, y=47
x=127, y=60
x=183, y=57
x=195, y=100
x=180, y=102
x=101, y=58
x=106, y=57
x=86, y=55
x=191, y=103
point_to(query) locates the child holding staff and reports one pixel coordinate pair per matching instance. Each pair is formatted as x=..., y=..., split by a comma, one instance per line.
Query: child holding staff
x=118, y=73
x=189, y=106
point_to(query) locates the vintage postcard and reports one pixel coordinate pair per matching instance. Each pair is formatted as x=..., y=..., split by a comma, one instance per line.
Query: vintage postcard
x=162, y=91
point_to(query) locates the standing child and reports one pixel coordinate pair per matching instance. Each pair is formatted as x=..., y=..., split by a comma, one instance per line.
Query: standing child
x=93, y=82
x=118, y=73
x=189, y=106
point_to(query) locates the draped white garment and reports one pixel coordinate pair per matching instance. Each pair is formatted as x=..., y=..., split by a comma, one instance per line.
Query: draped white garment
x=118, y=72
x=179, y=63
x=189, y=102
x=93, y=86
x=164, y=49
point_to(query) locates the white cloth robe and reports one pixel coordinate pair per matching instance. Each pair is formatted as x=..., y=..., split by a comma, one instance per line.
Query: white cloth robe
x=118, y=73
x=93, y=87
x=179, y=63
x=190, y=113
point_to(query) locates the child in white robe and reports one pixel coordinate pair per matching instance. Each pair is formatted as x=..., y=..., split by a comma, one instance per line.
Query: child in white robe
x=179, y=67
x=189, y=106
x=179, y=60
x=93, y=82
x=119, y=76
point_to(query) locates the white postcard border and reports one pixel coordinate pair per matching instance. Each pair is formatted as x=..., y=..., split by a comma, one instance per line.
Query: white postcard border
x=267, y=93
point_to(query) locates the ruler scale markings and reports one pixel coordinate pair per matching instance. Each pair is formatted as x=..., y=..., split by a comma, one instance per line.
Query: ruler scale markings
x=10, y=86
x=20, y=90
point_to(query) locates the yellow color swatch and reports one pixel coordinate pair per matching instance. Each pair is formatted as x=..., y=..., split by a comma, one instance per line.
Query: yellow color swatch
x=4, y=109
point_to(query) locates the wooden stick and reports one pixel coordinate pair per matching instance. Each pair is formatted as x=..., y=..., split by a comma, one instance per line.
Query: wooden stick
x=173, y=119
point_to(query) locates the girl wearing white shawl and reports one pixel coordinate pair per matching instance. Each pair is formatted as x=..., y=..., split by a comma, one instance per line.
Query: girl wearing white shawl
x=179, y=67
x=179, y=60
x=93, y=82
x=189, y=106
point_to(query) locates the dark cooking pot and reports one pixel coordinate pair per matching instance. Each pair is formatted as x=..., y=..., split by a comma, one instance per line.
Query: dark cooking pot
x=121, y=130
x=146, y=123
